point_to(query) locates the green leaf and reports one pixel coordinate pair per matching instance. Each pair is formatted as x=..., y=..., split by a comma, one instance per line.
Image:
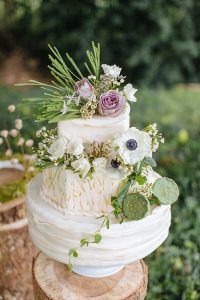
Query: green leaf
x=140, y=179
x=84, y=242
x=107, y=224
x=75, y=253
x=149, y=161
x=135, y=206
x=71, y=252
x=97, y=238
x=166, y=190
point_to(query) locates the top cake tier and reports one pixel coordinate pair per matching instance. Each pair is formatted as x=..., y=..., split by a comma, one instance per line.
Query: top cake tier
x=98, y=128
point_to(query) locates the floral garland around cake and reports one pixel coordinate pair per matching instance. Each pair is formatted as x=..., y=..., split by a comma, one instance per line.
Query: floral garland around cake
x=127, y=156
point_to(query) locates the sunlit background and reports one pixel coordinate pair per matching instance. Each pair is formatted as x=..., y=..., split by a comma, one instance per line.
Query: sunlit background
x=157, y=43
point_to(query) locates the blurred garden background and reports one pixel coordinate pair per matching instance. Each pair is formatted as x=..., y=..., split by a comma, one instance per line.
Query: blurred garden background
x=157, y=43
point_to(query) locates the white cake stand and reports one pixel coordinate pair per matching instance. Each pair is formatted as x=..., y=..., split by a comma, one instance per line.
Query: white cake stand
x=54, y=233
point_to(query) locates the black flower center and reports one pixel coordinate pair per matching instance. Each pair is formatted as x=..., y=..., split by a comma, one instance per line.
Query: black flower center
x=115, y=164
x=131, y=144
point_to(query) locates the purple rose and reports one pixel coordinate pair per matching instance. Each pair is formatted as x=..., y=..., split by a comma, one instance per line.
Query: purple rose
x=111, y=103
x=84, y=88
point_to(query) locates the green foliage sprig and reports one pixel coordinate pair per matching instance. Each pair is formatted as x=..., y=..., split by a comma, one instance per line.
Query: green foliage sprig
x=49, y=106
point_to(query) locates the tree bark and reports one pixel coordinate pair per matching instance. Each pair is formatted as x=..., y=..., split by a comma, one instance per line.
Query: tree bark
x=52, y=281
x=16, y=248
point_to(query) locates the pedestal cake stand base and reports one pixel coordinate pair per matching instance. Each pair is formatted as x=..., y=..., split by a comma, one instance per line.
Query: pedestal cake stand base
x=52, y=280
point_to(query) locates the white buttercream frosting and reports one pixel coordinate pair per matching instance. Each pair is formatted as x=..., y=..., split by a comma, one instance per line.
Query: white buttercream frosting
x=98, y=128
x=55, y=233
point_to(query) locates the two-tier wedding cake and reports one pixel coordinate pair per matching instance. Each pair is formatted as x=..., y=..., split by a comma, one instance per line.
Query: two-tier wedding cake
x=97, y=204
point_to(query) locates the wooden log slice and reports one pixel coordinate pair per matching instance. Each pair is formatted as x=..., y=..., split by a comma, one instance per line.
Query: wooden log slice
x=52, y=281
x=16, y=248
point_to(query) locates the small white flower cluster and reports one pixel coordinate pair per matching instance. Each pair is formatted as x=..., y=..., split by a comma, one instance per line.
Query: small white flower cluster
x=15, y=134
x=156, y=137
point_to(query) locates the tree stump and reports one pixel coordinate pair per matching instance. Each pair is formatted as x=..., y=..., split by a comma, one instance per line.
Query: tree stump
x=16, y=248
x=52, y=281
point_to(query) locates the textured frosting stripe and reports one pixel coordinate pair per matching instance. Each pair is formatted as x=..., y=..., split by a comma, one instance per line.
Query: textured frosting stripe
x=55, y=233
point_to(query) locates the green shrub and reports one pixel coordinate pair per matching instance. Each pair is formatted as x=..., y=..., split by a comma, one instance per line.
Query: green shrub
x=157, y=42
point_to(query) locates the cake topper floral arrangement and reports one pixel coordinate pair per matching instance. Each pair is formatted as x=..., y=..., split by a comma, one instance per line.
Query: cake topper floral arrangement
x=127, y=156
x=74, y=95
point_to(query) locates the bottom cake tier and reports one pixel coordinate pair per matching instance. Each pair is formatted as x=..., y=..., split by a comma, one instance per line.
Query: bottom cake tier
x=54, y=233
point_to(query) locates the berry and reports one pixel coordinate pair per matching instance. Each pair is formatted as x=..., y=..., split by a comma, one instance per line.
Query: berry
x=115, y=164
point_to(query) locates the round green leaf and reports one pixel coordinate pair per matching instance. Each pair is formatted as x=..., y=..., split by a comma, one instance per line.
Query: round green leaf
x=135, y=206
x=166, y=190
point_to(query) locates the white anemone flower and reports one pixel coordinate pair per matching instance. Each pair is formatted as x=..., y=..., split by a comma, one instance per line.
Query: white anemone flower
x=133, y=145
x=129, y=92
x=111, y=71
x=82, y=166
x=57, y=148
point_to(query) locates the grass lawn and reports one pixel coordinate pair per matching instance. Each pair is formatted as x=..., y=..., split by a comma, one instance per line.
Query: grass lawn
x=174, y=268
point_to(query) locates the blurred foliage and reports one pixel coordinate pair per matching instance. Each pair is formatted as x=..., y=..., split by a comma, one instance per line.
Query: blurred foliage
x=174, y=269
x=156, y=42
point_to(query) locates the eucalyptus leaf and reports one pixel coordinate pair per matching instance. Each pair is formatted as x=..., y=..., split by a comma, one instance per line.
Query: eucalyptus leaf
x=97, y=238
x=166, y=190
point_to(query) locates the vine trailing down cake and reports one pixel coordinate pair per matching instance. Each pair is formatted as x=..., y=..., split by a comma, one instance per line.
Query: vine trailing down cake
x=97, y=204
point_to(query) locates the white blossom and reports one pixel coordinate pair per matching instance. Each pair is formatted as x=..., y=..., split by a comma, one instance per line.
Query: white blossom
x=129, y=92
x=13, y=132
x=29, y=143
x=4, y=133
x=133, y=145
x=18, y=124
x=75, y=147
x=82, y=166
x=111, y=71
x=99, y=164
x=21, y=142
x=57, y=148
x=11, y=108
x=31, y=169
x=8, y=152
x=14, y=161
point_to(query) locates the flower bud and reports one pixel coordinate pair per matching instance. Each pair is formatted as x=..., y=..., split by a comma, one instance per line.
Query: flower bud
x=4, y=133
x=18, y=124
x=11, y=108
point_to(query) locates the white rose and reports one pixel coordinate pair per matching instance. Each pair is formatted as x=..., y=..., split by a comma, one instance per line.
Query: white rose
x=99, y=164
x=20, y=142
x=11, y=108
x=82, y=166
x=29, y=143
x=111, y=71
x=75, y=147
x=57, y=148
x=18, y=124
x=13, y=132
x=129, y=92
x=4, y=133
